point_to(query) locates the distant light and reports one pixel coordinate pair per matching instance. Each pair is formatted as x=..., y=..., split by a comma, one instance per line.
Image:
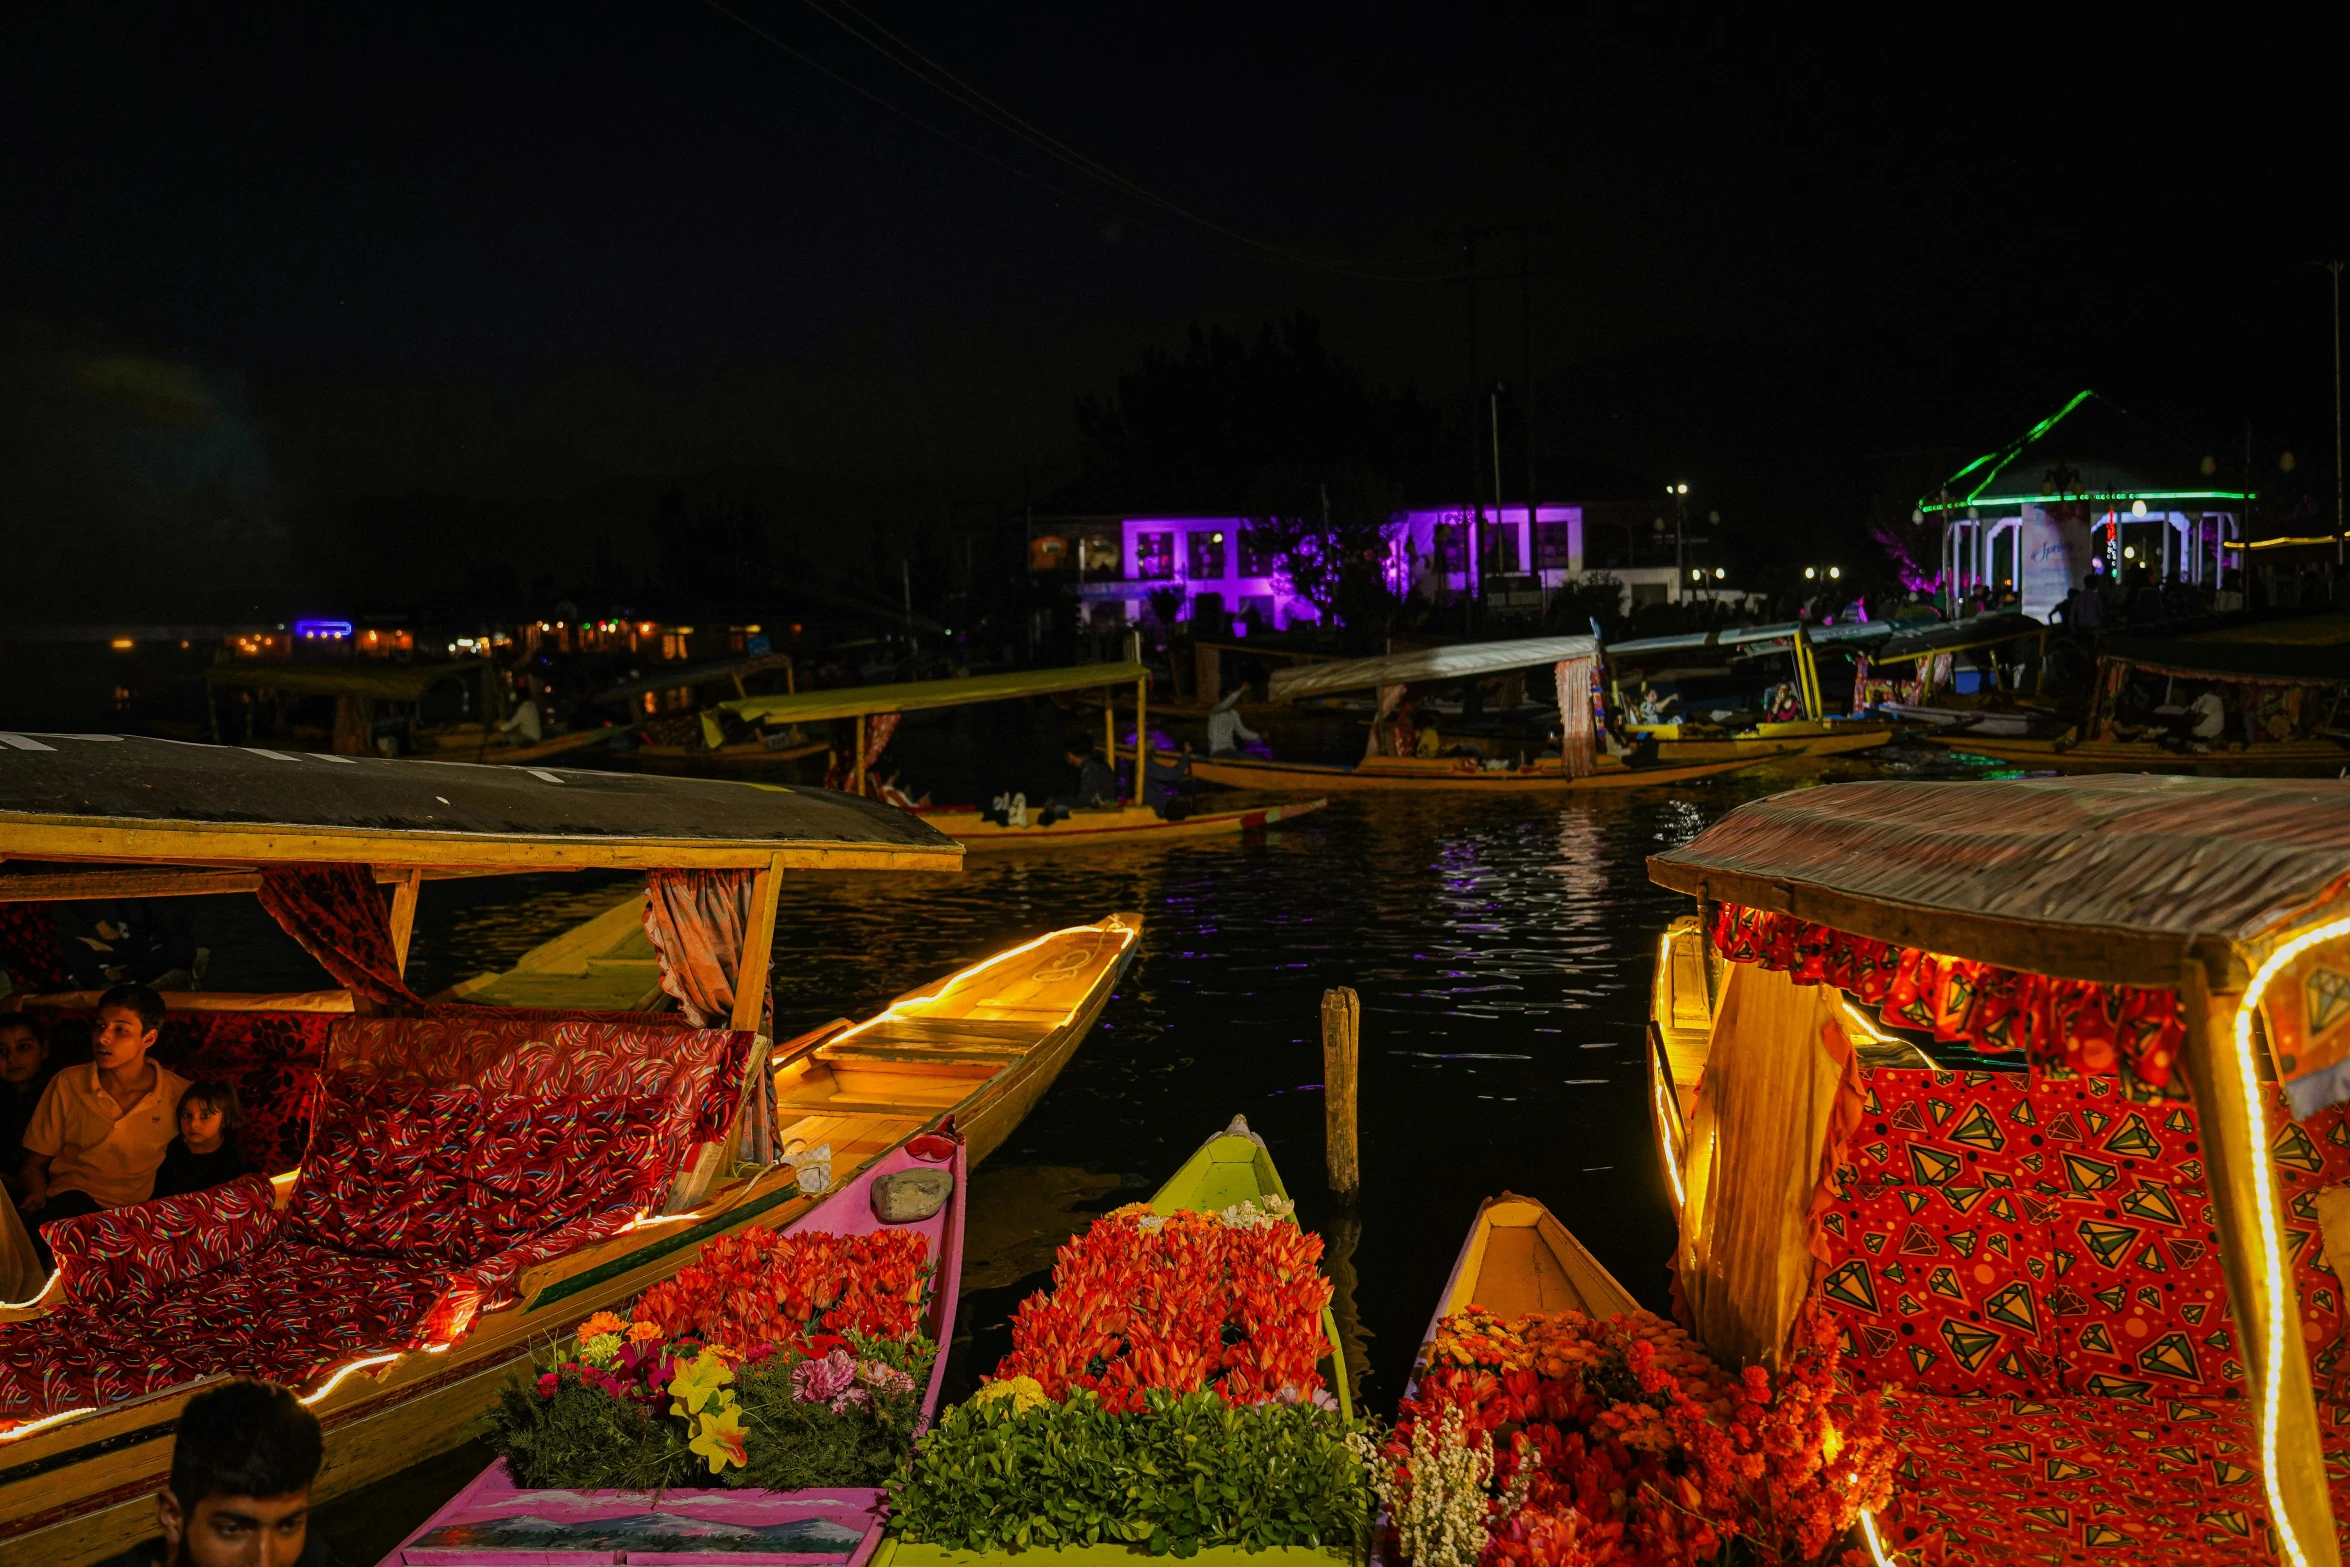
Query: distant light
x=751, y=630
x=1835, y=571
x=2137, y=508
x=122, y=644
x=1696, y=576
x=322, y=628
x=1720, y=573
x=1215, y=538
x=1810, y=572
x=2129, y=552
x=645, y=630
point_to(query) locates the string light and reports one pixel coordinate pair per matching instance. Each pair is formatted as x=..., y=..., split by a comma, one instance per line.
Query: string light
x=1125, y=940
x=1868, y=1532
x=2272, y=1264
x=18, y=1433
x=335, y=1381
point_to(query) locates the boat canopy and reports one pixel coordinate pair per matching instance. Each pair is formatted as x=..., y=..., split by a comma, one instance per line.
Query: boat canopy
x=915, y=695
x=2118, y=879
x=1456, y=661
x=126, y=798
x=1958, y=636
x=1853, y=632
x=382, y=682
x=702, y=674
x=2290, y=663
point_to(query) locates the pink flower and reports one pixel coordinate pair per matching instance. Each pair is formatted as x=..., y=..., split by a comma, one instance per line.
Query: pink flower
x=831, y=1381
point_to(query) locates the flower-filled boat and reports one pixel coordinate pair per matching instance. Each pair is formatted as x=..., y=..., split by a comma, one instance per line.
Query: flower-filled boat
x=747, y=1409
x=1169, y=1395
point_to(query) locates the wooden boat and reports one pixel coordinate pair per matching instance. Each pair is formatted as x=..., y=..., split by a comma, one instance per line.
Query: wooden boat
x=2218, y=914
x=1229, y=1168
x=1685, y=743
x=846, y=1521
x=1814, y=734
x=1519, y=1259
x=368, y=692
x=106, y=816
x=1109, y=824
x=2294, y=736
x=1456, y=773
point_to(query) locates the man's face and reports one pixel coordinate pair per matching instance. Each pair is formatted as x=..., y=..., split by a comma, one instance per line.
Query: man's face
x=121, y=1039
x=235, y=1531
x=20, y=1054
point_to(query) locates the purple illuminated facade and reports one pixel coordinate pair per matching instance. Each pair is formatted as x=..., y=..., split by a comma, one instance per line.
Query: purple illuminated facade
x=1116, y=563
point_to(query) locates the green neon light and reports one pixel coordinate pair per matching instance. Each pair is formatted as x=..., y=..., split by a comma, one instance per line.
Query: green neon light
x=2009, y=453
x=2096, y=495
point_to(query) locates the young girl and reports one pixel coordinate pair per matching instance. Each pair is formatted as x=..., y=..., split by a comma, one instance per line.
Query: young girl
x=205, y=1153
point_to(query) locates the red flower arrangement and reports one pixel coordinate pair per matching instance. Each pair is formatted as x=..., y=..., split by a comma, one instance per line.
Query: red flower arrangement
x=1616, y=1441
x=1182, y=1302
x=758, y=1287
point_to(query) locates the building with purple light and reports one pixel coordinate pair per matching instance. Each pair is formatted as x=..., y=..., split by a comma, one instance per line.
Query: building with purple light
x=1215, y=566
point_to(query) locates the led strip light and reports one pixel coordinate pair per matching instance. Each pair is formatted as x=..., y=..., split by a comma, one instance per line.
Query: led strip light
x=1125, y=940
x=2272, y=1249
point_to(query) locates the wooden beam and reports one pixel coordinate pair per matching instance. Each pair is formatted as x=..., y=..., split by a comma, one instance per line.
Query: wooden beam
x=404, y=889
x=1142, y=729
x=107, y=880
x=750, y=977
x=858, y=785
x=262, y=844
x=2229, y=1100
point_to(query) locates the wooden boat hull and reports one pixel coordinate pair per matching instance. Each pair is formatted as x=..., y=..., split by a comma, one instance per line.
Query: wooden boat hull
x=1804, y=739
x=1231, y=1167
x=1413, y=773
x=1127, y=824
x=84, y=1488
x=740, y=757
x=2291, y=758
x=494, y=1497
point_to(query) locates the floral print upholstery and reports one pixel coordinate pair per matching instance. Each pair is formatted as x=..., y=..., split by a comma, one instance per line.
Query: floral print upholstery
x=423, y=1197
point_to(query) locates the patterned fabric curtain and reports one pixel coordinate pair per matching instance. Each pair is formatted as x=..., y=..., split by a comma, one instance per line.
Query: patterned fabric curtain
x=696, y=921
x=1576, y=740
x=340, y=919
x=878, y=731
x=1390, y=735
x=30, y=955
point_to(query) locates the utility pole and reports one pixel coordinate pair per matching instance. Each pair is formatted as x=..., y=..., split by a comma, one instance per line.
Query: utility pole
x=2335, y=267
x=1471, y=514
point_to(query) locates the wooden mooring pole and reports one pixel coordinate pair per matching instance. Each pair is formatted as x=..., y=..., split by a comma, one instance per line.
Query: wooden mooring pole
x=1342, y=1049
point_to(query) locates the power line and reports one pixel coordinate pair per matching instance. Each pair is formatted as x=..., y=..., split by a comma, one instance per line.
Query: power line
x=970, y=98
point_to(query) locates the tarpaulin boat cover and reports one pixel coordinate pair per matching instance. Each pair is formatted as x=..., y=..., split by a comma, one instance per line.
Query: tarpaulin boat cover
x=915, y=695
x=118, y=778
x=1462, y=661
x=1854, y=631
x=1957, y=636
x=385, y=682
x=2178, y=857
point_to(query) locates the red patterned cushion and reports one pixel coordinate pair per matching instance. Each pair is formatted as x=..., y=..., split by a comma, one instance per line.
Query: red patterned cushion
x=385, y=1174
x=539, y=1165
x=137, y=1252
x=2125, y=1481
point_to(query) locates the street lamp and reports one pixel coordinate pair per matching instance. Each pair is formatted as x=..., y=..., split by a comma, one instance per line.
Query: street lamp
x=1680, y=495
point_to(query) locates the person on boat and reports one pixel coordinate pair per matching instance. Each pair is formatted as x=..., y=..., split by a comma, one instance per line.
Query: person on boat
x=526, y=726
x=206, y=1151
x=1225, y=728
x=24, y=1073
x=894, y=792
x=1782, y=706
x=242, y=1465
x=97, y=1137
x=1652, y=708
x=1096, y=783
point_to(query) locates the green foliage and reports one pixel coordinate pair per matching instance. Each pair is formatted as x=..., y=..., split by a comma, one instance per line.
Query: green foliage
x=585, y=1438
x=1187, y=1472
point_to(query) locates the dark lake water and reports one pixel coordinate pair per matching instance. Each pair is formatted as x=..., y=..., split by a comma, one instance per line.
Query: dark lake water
x=1502, y=951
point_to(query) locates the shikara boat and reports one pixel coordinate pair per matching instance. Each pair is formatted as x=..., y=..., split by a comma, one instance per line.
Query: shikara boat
x=1230, y=1168
x=369, y=694
x=1454, y=773
x=98, y=816
x=2097, y=1291
x=494, y=1522
x=1109, y=824
x=1131, y=823
x=1519, y=1259
x=694, y=739
x=1816, y=733
x=2281, y=699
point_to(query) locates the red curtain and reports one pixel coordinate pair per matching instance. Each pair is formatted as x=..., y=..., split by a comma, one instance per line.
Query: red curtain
x=696, y=921
x=2069, y=1023
x=339, y=917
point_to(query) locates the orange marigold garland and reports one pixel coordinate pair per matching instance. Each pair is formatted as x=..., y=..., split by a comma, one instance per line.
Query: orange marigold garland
x=1617, y=1441
x=1185, y=1301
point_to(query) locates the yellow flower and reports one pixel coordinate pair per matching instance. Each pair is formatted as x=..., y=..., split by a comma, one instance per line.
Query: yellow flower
x=697, y=1382
x=1025, y=1393
x=601, y=1323
x=600, y=1350
x=721, y=1438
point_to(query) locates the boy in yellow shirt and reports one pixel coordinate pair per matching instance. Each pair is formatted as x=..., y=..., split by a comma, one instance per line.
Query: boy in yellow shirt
x=99, y=1132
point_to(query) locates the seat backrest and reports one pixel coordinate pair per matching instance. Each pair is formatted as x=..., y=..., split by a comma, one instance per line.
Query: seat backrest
x=270, y=1058
x=2013, y=1234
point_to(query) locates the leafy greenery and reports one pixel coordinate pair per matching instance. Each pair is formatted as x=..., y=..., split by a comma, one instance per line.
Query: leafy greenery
x=1188, y=1471
x=584, y=1438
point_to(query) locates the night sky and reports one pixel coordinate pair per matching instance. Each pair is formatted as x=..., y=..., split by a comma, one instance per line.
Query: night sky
x=262, y=265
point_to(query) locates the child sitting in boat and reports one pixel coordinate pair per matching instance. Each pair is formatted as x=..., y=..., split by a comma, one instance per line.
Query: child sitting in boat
x=206, y=1151
x=241, y=1471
